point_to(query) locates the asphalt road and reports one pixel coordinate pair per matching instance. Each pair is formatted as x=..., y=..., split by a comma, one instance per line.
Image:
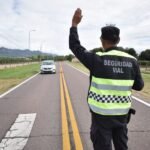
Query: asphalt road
x=41, y=95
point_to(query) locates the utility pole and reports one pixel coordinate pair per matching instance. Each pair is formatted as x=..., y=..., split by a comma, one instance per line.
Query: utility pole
x=29, y=39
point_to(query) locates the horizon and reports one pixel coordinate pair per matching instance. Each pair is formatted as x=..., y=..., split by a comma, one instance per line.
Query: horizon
x=45, y=52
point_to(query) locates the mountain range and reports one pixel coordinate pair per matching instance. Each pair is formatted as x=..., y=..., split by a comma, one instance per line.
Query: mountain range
x=5, y=52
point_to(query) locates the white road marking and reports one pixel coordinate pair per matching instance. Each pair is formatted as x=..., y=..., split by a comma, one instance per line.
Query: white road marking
x=135, y=98
x=17, y=137
x=141, y=101
x=78, y=69
x=2, y=95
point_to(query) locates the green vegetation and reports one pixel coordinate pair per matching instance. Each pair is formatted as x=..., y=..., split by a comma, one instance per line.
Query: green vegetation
x=63, y=58
x=79, y=66
x=10, y=77
x=146, y=89
x=10, y=60
x=7, y=60
x=145, y=55
x=130, y=51
x=38, y=58
x=145, y=74
x=19, y=72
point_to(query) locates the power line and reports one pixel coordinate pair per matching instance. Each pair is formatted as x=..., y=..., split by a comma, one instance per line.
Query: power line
x=10, y=40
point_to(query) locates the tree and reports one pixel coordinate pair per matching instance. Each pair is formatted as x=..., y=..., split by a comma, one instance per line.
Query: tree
x=145, y=55
x=69, y=57
x=121, y=48
x=39, y=57
x=131, y=51
x=59, y=58
x=95, y=50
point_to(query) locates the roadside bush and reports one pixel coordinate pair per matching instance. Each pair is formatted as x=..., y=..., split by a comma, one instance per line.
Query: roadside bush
x=144, y=63
x=5, y=60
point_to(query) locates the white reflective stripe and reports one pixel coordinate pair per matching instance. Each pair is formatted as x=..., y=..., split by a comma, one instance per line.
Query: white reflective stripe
x=110, y=112
x=111, y=87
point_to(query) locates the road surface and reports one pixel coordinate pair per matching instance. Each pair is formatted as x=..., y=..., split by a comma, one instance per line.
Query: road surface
x=32, y=116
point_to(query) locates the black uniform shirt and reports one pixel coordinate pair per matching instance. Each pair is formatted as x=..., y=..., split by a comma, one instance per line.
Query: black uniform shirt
x=93, y=62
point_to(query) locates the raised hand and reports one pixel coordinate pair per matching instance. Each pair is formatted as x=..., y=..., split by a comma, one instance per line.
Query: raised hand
x=77, y=17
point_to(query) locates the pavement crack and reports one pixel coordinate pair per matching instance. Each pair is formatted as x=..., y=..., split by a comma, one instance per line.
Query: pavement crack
x=24, y=137
x=139, y=130
x=46, y=135
x=85, y=132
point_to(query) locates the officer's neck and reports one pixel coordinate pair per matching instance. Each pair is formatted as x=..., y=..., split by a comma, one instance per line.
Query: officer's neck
x=110, y=47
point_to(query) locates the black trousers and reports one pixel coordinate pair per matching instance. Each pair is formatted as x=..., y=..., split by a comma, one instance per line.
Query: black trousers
x=105, y=129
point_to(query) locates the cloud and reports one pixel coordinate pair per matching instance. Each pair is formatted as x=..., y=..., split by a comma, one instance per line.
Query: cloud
x=52, y=20
x=16, y=6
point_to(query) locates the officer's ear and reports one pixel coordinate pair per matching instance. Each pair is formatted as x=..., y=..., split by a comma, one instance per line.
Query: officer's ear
x=118, y=40
x=102, y=42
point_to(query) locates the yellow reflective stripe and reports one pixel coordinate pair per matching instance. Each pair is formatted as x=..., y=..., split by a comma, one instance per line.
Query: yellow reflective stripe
x=109, y=105
x=115, y=53
x=112, y=81
x=99, y=53
x=110, y=92
x=111, y=87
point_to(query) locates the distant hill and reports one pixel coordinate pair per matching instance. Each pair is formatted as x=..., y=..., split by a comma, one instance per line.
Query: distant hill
x=5, y=52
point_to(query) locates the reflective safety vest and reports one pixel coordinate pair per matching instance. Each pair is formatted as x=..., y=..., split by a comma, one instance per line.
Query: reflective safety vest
x=109, y=96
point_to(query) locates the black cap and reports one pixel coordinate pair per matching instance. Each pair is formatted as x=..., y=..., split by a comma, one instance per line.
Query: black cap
x=110, y=33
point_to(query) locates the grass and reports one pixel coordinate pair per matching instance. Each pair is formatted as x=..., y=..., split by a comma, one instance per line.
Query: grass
x=145, y=70
x=146, y=90
x=10, y=77
x=145, y=93
x=79, y=66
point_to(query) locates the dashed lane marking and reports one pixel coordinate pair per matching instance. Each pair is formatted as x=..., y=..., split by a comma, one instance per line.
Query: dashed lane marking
x=17, y=136
x=135, y=98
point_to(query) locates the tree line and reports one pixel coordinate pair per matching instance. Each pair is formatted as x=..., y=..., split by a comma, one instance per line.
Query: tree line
x=15, y=60
x=143, y=57
x=38, y=58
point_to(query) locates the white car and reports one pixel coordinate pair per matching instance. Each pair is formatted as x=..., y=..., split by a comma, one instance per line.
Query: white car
x=48, y=66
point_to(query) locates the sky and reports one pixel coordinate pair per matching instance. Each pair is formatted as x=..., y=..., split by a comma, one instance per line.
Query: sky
x=49, y=21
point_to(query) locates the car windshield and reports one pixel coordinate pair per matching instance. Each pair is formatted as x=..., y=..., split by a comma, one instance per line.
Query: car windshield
x=47, y=63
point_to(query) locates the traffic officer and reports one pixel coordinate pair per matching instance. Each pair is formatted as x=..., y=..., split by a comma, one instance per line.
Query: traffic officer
x=113, y=74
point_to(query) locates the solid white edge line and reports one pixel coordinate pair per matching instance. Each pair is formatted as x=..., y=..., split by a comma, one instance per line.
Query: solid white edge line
x=141, y=101
x=12, y=89
x=135, y=98
x=78, y=69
